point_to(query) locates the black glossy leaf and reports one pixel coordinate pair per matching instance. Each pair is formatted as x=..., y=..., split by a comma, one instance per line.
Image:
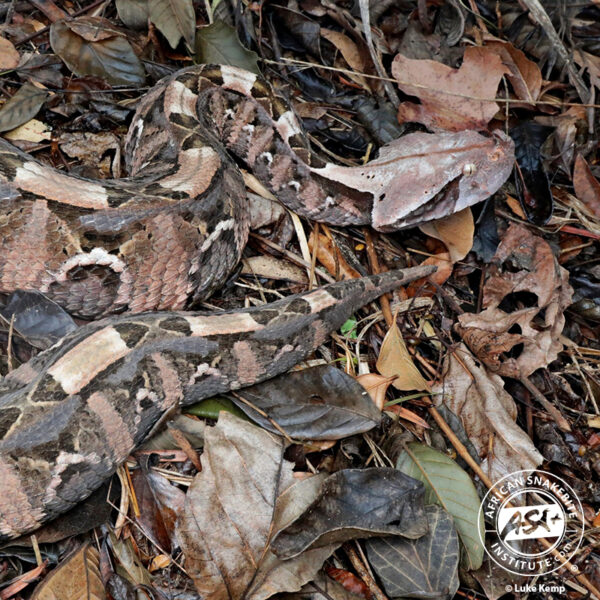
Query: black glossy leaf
x=22, y=107
x=531, y=179
x=356, y=503
x=423, y=568
x=37, y=319
x=486, y=238
x=321, y=403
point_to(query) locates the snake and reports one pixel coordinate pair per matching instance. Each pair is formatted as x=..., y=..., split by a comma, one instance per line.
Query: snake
x=132, y=254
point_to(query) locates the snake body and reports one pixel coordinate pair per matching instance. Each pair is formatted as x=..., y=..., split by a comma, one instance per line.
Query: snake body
x=167, y=235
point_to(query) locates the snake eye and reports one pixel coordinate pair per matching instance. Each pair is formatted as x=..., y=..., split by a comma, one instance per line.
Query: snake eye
x=469, y=169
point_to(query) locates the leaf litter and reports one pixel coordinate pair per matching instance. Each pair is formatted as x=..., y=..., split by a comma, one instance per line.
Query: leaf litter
x=502, y=340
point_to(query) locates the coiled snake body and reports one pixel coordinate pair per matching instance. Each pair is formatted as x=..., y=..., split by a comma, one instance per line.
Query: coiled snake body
x=167, y=235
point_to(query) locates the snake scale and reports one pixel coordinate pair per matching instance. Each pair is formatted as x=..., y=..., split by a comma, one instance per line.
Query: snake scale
x=164, y=237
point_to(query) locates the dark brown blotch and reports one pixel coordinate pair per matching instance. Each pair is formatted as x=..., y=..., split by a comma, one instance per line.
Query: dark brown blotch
x=131, y=333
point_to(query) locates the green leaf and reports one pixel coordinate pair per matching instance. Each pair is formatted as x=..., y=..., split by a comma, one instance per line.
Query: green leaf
x=349, y=328
x=211, y=407
x=451, y=487
x=219, y=44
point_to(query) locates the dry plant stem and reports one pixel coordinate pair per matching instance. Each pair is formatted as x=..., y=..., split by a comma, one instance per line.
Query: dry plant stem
x=561, y=422
x=185, y=445
x=541, y=17
x=384, y=300
x=464, y=454
x=134, y=502
x=313, y=259
x=477, y=14
x=364, y=573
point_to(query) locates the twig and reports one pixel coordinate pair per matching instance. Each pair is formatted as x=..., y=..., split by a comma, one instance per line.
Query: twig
x=562, y=423
x=363, y=573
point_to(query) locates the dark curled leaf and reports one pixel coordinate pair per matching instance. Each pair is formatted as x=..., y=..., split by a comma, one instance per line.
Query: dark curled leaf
x=356, y=503
x=93, y=46
x=531, y=180
x=486, y=238
x=423, y=568
x=218, y=43
x=37, y=319
x=322, y=403
x=22, y=107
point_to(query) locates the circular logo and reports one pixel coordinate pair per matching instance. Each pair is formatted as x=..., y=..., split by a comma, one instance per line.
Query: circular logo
x=532, y=523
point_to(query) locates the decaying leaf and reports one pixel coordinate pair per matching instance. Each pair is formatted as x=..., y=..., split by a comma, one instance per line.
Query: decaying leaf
x=356, y=503
x=218, y=43
x=22, y=107
x=330, y=256
x=245, y=493
x=76, y=578
x=175, y=19
x=528, y=275
x=488, y=414
x=319, y=403
x=456, y=231
x=33, y=131
x=410, y=178
x=273, y=268
x=91, y=148
x=93, y=46
x=451, y=487
x=587, y=187
x=423, y=568
x=450, y=98
x=134, y=13
x=9, y=56
x=395, y=361
x=524, y=74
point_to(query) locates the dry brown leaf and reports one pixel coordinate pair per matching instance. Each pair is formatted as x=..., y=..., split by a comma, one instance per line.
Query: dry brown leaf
x=488, y=414
x=395, y=361
x=587, y=187
x=524, y=263
x=451, y=99
x=349, y=50
x=32, y=131
x=456, y=231
x=273, y=268
x=524, y=75
x=377, y=386
x=9, y=57
x=245, y=494
x=76, y=578
x=329, y=255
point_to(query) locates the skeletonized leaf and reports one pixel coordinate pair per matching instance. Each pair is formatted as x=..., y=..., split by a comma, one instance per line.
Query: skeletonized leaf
x=245, y=493
x=395, y=361
x=320, y=403
x=22, y=107
x=76, y=578
x=426, y=567
x=93, y=46
x=449, y=486
x=218, y=43
x=174, y=19
x=356, y=503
